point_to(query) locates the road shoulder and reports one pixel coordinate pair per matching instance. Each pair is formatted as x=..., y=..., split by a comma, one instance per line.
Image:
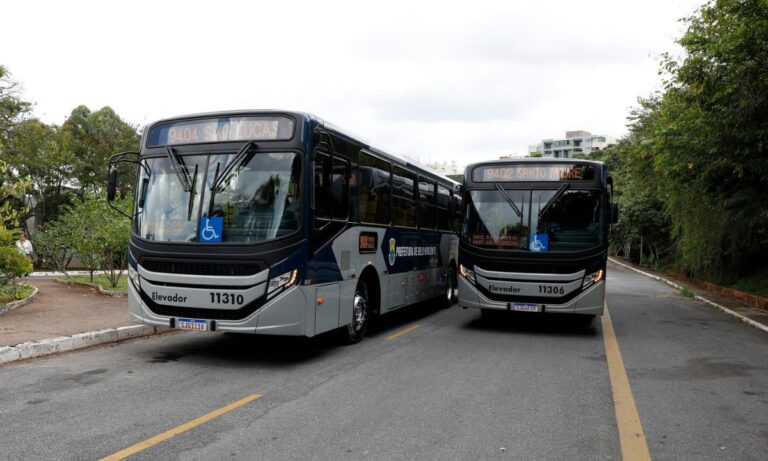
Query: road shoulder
x=757, y=318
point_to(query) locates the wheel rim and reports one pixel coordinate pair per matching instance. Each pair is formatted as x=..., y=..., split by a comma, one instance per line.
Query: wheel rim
x=449, y=288
x=359, y=312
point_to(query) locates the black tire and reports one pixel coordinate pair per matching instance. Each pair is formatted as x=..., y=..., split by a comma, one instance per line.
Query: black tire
x=361, y=314
x=449, y=298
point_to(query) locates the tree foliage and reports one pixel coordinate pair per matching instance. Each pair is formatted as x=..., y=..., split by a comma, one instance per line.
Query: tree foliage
x=92, y=137
x=696, y=160
x=90, y=230
x=12, y=107
x=13, y=263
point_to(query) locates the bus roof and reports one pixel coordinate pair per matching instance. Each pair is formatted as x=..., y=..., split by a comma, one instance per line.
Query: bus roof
x=307, y=116
x=533, y=160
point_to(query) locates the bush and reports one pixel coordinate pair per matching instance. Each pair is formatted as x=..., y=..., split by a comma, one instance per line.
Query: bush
x=13, y=265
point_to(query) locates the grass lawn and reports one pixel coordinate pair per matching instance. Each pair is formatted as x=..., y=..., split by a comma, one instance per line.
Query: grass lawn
x=756, y=284
x=122, y=284
x=22, y=291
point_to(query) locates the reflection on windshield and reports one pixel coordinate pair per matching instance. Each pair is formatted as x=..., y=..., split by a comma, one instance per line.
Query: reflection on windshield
x=258, y=200
x=165, y=215
x=492, y=222
x=573, y=221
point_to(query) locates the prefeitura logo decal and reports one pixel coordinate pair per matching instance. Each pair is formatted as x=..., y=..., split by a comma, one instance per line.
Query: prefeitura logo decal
x=392, y=253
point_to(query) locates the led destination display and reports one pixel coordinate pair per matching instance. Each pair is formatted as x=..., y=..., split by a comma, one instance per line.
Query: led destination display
x=554, y=172
x=221, y=129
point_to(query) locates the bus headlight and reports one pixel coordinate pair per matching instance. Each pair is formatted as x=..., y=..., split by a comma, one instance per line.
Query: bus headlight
x=281, y=282
x=468, y=274
x=593, y=278
x=133, y=275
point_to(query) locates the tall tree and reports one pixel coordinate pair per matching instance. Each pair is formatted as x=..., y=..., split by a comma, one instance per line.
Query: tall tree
x=706, y=139
x=36, y=150
x=12, y=107
x=93, y=137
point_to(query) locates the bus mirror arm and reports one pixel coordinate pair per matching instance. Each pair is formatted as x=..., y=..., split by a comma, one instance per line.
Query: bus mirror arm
x=614, y=212
x=114, y=161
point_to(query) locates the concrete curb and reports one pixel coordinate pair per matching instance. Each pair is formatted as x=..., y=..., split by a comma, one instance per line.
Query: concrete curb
x=114, y=294
x=16, y=304
x=741, y=317
x=79, y=341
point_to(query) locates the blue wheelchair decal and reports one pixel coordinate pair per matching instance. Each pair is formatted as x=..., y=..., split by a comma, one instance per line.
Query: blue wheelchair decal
x=210, y=229
x=539, y=242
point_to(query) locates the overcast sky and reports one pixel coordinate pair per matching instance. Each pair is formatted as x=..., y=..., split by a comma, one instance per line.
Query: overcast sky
x=441, y=81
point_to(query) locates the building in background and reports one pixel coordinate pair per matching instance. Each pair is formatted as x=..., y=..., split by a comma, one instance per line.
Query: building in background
x=575, y=142
x=445, y=168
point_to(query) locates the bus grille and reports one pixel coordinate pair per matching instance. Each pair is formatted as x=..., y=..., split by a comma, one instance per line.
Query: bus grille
x=533, y=267
x=200, y=267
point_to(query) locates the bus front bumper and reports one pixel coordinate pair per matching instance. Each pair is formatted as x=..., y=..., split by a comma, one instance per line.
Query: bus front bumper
x=285, y=314
x=590, y=302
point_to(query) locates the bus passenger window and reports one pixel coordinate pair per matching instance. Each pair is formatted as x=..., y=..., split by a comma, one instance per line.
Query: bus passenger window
x=339, y=189
x=403, y=204
x=426, y=204
x=373, y=190
x=443, y=205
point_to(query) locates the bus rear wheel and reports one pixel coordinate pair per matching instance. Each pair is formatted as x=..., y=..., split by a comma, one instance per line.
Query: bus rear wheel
x=354, y=332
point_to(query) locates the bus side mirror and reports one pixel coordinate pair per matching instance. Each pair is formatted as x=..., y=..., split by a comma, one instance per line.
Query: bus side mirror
x=614, y=213
x=112, y=184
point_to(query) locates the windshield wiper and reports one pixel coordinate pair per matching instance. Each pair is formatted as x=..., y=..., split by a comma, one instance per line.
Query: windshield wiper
x=554, y=199
x=192, y=195
x=240, y=158
x=179, y=168
x=509, y=200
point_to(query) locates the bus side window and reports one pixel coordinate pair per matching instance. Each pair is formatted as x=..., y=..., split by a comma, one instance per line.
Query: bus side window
x=456, y=211
x=426, y=196
x=321, y=172
x=331, y=194
x=443, y=207
x=373, y=190
x=339, y=189
x=403, y=203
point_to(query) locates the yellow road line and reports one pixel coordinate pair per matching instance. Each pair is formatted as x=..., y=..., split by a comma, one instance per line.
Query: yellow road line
x=634, y=446
x=402, y=332
x=180, y=429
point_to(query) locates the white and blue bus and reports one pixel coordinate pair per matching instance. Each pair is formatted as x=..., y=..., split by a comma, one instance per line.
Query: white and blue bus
x=278, y=223
x=534, y=236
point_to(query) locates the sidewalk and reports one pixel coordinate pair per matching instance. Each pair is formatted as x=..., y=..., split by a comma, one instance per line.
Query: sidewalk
x=61, y=310
x=64, y=317
x=731, y=306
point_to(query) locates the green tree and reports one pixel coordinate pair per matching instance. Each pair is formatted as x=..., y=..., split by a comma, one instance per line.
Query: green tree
x=90, y=229
x=12, y=107
x=35, y=150
x=92, y=137
x=706, y=138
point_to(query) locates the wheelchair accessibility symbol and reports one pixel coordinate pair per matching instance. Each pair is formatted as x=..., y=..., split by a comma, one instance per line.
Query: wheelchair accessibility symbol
x=210, y=229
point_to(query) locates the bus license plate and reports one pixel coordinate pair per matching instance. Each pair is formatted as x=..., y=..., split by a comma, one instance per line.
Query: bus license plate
x=193, y=324
x=526, y=307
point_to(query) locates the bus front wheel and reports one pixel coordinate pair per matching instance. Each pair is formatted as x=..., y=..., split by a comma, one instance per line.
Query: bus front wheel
x=449, y=298
x=354, y=332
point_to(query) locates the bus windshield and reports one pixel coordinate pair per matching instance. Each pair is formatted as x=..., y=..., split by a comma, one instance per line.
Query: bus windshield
x=258, y=199
x=570, y=218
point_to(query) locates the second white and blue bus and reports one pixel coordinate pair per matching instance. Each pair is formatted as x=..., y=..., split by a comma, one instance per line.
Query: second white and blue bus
x=534, y=236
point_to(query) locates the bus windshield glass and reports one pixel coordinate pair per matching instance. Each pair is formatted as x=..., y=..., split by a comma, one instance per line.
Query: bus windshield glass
x=257, y=200
x=570, y=218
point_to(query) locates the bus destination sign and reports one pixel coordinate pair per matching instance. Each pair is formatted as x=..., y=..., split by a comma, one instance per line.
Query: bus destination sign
x=554, y=172
x=221, y=129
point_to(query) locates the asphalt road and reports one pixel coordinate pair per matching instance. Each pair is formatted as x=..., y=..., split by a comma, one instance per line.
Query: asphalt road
x=426, y=384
